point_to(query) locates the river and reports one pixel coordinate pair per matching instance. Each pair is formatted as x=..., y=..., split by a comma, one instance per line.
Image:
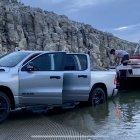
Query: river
x=118, y=119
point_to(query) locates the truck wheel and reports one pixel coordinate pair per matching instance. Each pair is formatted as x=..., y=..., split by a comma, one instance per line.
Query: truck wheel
x=4, y=106
x=97, y=96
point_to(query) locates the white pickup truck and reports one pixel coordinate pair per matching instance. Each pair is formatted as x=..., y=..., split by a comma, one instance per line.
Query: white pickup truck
x=44, y=79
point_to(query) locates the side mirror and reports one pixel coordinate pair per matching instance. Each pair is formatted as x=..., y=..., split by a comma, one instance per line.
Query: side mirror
x=30, y=66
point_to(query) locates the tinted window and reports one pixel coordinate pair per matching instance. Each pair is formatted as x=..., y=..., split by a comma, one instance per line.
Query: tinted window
x=47, y=62
x=12, y=59
x=75, y=62
x=58, y=61
x=82, y=61
x=70, y=63
x=42, y=63
x=30, y=58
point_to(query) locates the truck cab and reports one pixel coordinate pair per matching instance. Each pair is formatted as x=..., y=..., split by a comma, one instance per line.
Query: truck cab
x=54, y=78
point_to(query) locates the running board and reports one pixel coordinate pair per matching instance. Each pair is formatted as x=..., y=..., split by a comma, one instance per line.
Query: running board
x=69, y=105
x=35, y=109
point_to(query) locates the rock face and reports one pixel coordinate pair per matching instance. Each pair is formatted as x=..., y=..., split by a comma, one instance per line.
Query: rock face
x=34, y=29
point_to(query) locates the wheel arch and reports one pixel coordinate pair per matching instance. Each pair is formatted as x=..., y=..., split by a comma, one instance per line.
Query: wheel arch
x=100, y=85
x=7, y=91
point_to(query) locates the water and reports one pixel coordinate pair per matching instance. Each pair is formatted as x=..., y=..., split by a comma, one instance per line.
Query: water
x=118, y=119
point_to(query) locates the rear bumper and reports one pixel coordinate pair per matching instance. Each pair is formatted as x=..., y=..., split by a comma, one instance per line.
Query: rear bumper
x=115, y=92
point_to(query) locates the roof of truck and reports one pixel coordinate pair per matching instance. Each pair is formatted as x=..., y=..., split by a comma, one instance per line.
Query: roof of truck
x=30, y=51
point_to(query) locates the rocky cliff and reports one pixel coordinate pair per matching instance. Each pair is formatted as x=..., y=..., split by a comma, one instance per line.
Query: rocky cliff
x=34, y=29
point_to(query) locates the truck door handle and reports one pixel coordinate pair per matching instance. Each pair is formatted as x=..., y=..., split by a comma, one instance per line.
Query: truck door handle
x=55, y=77
x=82, y=76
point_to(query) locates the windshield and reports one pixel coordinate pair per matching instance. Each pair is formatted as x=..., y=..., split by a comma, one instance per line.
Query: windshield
x=12, y=59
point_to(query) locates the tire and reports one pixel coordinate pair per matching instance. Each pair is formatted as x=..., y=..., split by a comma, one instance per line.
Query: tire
x=97, y=96
x=4, y=107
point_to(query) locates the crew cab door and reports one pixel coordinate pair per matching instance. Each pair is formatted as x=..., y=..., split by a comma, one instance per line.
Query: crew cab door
x=77, y=77
x=41, y=80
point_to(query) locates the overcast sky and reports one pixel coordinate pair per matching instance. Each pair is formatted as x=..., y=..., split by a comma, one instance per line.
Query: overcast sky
x=120, y=17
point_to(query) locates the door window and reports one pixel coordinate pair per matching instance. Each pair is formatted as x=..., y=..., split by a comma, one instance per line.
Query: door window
x=82, y=61
x=42, y=63
x=47, y=62
x=74, y=62
x=30, y=58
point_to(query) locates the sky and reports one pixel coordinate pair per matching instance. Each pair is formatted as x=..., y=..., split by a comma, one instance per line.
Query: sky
x=119, y=17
